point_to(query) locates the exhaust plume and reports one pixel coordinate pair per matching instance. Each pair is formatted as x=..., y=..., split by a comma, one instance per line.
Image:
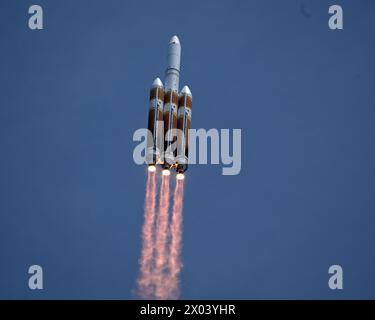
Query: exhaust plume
x=175, y=263
x=160, y=261
x=161, y=240
x=145, y=280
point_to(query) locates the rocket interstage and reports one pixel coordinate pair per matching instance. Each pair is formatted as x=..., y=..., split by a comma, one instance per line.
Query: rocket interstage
x=169, y=117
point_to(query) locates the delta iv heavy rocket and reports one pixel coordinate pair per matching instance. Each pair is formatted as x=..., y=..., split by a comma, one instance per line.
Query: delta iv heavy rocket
x=169, y=110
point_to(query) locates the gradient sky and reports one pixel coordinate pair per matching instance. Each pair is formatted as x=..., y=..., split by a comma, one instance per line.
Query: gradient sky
x=72, y=95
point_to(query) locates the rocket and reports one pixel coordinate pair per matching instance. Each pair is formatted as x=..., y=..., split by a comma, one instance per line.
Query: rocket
x=169, y=110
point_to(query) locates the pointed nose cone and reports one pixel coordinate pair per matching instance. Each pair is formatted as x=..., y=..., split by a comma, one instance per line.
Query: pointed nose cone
x=186, y=90
x=157, y=83
x=174, y=40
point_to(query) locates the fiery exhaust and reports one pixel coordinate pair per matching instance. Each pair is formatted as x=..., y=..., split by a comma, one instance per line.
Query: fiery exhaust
x=160, y=261
x=145, y=280
x=180, y=176
x=161, y=239
x=174, y=262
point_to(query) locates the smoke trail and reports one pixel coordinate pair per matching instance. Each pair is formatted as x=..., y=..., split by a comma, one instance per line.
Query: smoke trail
x=145, y=285
x=161, y=240
x=174, y=263
x=160, y=261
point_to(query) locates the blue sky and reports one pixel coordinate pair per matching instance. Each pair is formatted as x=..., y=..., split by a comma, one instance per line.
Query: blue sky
x=72, y=95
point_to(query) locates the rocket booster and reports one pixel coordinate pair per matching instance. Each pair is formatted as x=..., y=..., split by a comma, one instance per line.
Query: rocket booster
x=168, y=112
x=155, y=122
x=183, y=126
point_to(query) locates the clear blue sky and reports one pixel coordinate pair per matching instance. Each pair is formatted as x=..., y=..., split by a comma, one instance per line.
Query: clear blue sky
x=72, y=95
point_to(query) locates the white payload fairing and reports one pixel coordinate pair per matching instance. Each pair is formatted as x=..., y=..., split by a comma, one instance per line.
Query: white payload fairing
x=169, y=110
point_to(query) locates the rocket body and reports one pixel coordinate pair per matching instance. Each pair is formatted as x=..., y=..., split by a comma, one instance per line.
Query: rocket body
x=170, y=126
x=172, y=78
